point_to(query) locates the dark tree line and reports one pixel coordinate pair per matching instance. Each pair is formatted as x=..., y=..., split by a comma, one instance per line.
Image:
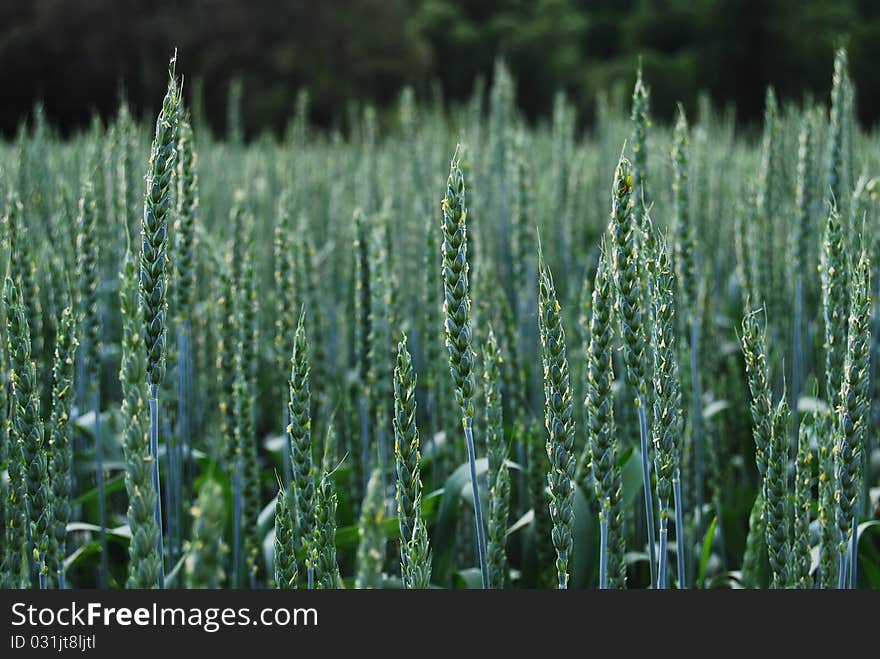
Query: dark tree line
x=76, y=55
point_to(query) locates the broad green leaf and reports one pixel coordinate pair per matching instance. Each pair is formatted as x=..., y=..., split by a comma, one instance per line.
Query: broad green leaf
x=177, y=572
x=522, y=522
x=706, y=551
x=122, y=532
x=869, y=556
x=115, y=484
x=348, y=537
x=861, y=528
x=120, y=535
x=714, y=408
x=631, y=473
x=584, y=566
x=443, y=543
x=468, y=578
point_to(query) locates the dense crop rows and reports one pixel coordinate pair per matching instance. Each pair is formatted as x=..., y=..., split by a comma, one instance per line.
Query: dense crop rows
x=634, y=356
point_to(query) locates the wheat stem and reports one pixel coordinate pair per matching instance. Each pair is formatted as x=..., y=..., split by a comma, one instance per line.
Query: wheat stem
x=456, y=305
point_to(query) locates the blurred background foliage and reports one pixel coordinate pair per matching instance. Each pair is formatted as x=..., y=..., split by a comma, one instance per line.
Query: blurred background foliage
x=75, y=54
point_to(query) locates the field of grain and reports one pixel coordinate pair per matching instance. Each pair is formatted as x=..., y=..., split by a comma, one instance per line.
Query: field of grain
x=443, y=348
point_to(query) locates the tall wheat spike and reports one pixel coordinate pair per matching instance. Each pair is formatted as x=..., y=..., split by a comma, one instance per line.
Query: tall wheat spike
x=456, y=305
x=153, y=278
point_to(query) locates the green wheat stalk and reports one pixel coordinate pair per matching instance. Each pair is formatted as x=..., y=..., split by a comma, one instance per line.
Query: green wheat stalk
x=204, y=561
x=800, y=560
x=239, y=249
x=227, y=338
x=776, y=496
x=641, y=121
x=753, y=340
x=687, y=277
x=88, y=252
x=362, y=331
x=767, y=201
x=558, y=420
x=602, y=439
x=308, y=282
x=379, y=354
x=185, y=272
x=756, y=545
x=837, y=185
x=285, y=291
x=496, y=452
x=833, y=269
x=322, y=546
x=667, y=425
x=245, y=364
x=286, y=573
x=629, y=282
x=300, y=435
x=12, y=512
x=22, y=267
x=144, y=562
x=60, y=441
x=29, y=435
x=456, y=307
x=853, y=417
x=802, y=237
x=371, y=549
x=153, y=276
x=408, y=489
x=415, y=556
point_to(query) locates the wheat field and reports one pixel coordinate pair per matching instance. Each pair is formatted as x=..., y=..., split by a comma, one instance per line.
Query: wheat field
x=443, y=347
